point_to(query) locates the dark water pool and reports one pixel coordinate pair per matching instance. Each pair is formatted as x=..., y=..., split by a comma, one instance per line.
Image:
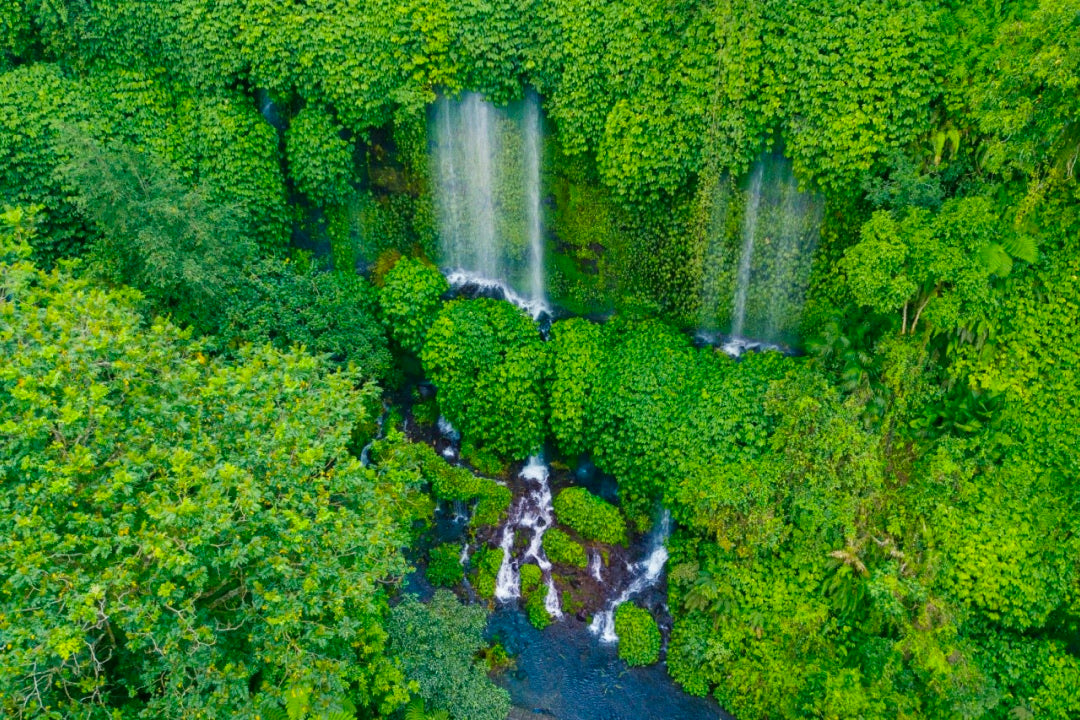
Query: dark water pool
x=566, y=674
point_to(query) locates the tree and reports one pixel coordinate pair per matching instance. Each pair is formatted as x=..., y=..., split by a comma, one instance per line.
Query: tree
x=937, y=266
x=155, y=233
x=178, y=531
x=332, y=313
x=436, y=644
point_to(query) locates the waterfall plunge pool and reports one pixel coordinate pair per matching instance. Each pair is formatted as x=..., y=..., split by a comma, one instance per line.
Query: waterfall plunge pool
x=564, y=672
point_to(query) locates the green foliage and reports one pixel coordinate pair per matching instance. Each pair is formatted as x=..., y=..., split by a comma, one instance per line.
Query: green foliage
x=448, y=482
x=639, y=636
x=154, y=233
x=320, y=161
x=577, y=349
x=940, y=265
x=534, y=592
x=562, y=549
x=410, y=299
x=591, y=517
x=216, y=144
x=329, y=313
x=178, y=523
x=487, y=562
x=444, y=565
x=300, y=705
x=488, y=362
x=436, y=644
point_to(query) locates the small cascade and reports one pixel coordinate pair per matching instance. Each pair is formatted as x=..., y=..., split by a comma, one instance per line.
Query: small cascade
x=487, y=162
x=451, y=436
x=644, y=575
x=595, y=565
x=532, y=512
x=757, y=264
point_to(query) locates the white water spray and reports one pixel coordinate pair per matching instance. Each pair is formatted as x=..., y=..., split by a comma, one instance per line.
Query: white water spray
x=595, y=565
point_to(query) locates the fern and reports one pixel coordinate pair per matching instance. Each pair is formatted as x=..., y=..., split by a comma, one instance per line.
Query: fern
x=297, y=702
x=415, y=711
x=1021, y=246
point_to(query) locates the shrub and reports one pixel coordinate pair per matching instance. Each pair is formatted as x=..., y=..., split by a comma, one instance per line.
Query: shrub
x=535, y=593
x=563, y=549
x=639, y=636
x=444, y=566
x=453, y=483
x=536, y=609
x=489, y=363
x=447, y=481
x=487, y=561
x=591, y=517
x=410, y=300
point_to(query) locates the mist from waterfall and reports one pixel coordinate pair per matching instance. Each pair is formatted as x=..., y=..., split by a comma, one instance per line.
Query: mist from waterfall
x=759, y=256
x=487, y=163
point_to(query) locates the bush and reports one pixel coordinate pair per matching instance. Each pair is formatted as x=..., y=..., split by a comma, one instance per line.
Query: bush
x=534, y=592
x=444, y=565
x=639, y=635
x=563, y=549
x=591, y=517
x=320, y=161
x=489, y=363
x=410, y=300
x=453, y=483
x=487, y=562
x=536, y=609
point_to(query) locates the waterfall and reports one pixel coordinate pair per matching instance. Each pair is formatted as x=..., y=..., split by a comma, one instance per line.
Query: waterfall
x=595, y=565
x=763, y=257
x=644, y=575
x=487, y=163
x=742, y=280
x=534, y=214
x=533, y=512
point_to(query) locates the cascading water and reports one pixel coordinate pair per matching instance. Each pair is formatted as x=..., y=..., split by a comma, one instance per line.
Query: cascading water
x=595, y=565
x=764, y=260
x=742, y=278
x=644, y=575
x=532, y=512
x=488, y=194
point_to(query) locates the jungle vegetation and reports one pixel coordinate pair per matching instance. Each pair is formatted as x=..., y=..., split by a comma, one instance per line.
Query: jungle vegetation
x=219, y=284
